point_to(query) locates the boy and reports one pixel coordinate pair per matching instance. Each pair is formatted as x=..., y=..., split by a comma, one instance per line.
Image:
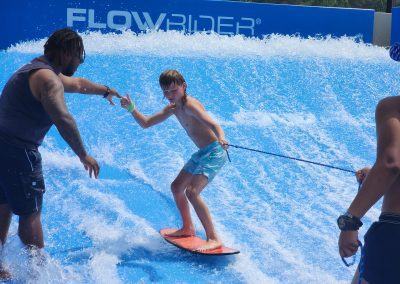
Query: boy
x=207, y=135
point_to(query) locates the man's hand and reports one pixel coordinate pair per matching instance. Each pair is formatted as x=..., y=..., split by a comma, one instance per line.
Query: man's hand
x=112, y=93
x=362, y=174
x=348, y=243
x=91, y=165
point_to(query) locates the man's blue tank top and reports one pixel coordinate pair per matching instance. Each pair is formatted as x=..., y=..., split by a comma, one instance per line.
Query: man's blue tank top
x=23, y=120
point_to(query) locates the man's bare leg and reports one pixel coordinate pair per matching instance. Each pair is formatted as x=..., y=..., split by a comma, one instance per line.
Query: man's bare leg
x=30, y=230
x=5, y=220
x=199, y=182
x=178, y=188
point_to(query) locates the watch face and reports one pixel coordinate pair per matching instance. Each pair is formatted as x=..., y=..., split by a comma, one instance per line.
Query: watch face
x=341, y=222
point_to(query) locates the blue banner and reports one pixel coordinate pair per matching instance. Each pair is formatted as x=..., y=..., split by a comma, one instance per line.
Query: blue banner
x=395, y=35
x=27, y=20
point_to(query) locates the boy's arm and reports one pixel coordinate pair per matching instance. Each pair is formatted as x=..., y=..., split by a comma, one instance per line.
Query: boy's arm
x=197, y=110
x=143, y=120
x=84, y=86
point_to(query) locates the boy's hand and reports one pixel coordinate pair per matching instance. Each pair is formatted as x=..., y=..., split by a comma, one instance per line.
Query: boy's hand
x=126, y=101
x=224, y=143
x=171, y=107
x=362, y=174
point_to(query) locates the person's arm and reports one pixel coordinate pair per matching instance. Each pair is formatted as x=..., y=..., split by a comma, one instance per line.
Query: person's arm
x=373, y=188
x=84, y=86
x=49, y=90
x=197, y=110
x=142, y=120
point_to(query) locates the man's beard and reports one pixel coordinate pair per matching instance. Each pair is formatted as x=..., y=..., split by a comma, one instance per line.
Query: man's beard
x=69, y=71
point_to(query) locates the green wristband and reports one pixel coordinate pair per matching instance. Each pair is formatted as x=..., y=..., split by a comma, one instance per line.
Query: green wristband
x=131, y=107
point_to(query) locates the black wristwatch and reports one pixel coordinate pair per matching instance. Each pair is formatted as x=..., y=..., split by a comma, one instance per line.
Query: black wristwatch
x=107, y=92
x=348, y=222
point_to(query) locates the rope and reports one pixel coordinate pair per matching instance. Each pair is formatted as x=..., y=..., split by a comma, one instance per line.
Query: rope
x=291, y=158
x=360, y=265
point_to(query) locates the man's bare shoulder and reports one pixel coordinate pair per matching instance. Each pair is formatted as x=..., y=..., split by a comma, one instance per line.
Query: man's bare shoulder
x=43, y=79
x=44, y=73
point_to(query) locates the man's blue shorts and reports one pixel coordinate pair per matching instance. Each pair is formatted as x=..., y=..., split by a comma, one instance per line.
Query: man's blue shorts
x=21, y=179
x=382, y=251
x=207, y=161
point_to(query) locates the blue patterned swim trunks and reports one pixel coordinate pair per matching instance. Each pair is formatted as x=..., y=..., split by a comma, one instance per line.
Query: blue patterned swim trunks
x=207, y=161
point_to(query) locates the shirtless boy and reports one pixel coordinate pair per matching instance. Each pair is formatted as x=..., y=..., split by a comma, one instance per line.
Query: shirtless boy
x=202, y=167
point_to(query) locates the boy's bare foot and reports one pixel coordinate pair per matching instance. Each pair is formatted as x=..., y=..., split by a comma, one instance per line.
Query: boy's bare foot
x=4, y=274
x=182, y=233
x=210, y=245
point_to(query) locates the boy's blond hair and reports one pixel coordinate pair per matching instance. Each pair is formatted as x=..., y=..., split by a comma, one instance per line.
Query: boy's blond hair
x=169, y=77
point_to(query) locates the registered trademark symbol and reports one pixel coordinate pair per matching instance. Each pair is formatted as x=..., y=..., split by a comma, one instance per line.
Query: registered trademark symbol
x=258, y=21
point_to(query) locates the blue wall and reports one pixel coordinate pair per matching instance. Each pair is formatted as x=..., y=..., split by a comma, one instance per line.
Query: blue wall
x=395, y=35
x=26, y=19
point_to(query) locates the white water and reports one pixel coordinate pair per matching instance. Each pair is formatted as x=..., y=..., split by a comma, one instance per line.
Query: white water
x=307, y=98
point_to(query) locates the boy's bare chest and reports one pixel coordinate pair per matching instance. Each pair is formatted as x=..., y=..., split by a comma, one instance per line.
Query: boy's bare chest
x=188, y=122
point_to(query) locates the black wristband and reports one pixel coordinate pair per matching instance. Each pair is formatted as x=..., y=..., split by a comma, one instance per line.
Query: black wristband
x=107, y=92
x=348, y=222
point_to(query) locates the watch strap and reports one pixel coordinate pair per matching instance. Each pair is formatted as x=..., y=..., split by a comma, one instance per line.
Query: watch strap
x=107, y=92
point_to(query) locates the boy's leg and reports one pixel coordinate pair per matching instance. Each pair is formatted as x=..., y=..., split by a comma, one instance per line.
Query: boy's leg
x=198, y=183
x=178, y=188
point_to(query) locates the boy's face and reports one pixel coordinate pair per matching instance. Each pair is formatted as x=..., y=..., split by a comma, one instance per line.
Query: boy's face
x=174, y=92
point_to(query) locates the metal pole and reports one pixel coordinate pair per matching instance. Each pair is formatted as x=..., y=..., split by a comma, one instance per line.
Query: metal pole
x=389, y=5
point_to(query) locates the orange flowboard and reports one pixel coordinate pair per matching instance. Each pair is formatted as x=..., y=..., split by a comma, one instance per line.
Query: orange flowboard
x=192, y=243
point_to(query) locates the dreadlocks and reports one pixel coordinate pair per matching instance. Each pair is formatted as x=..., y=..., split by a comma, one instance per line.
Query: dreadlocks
x=172, y=76
x=64, y=41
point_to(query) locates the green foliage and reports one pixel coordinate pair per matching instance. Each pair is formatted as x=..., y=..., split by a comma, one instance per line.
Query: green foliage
x=377, y=5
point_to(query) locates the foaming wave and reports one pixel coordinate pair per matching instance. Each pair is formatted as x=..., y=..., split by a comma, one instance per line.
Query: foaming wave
x=263, y=119
x=58, y=159
x=104, y=269
x=37, y=266
x=115, y=240
x=174, y=43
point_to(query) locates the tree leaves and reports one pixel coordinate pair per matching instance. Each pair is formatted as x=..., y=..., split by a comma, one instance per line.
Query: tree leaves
x=377, y=5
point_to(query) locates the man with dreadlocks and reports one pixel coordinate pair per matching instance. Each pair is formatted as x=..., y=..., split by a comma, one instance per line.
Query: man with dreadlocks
x=31, y=102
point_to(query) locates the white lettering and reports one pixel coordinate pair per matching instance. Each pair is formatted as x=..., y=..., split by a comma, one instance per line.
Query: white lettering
x=121, y=20
x=124, y=14
x=179, y=24
x=71, y=16
x=189, y=29
x=92, y=24
x=221, y=24
x=250, y=27
x=148, y=23
x=212, y=27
